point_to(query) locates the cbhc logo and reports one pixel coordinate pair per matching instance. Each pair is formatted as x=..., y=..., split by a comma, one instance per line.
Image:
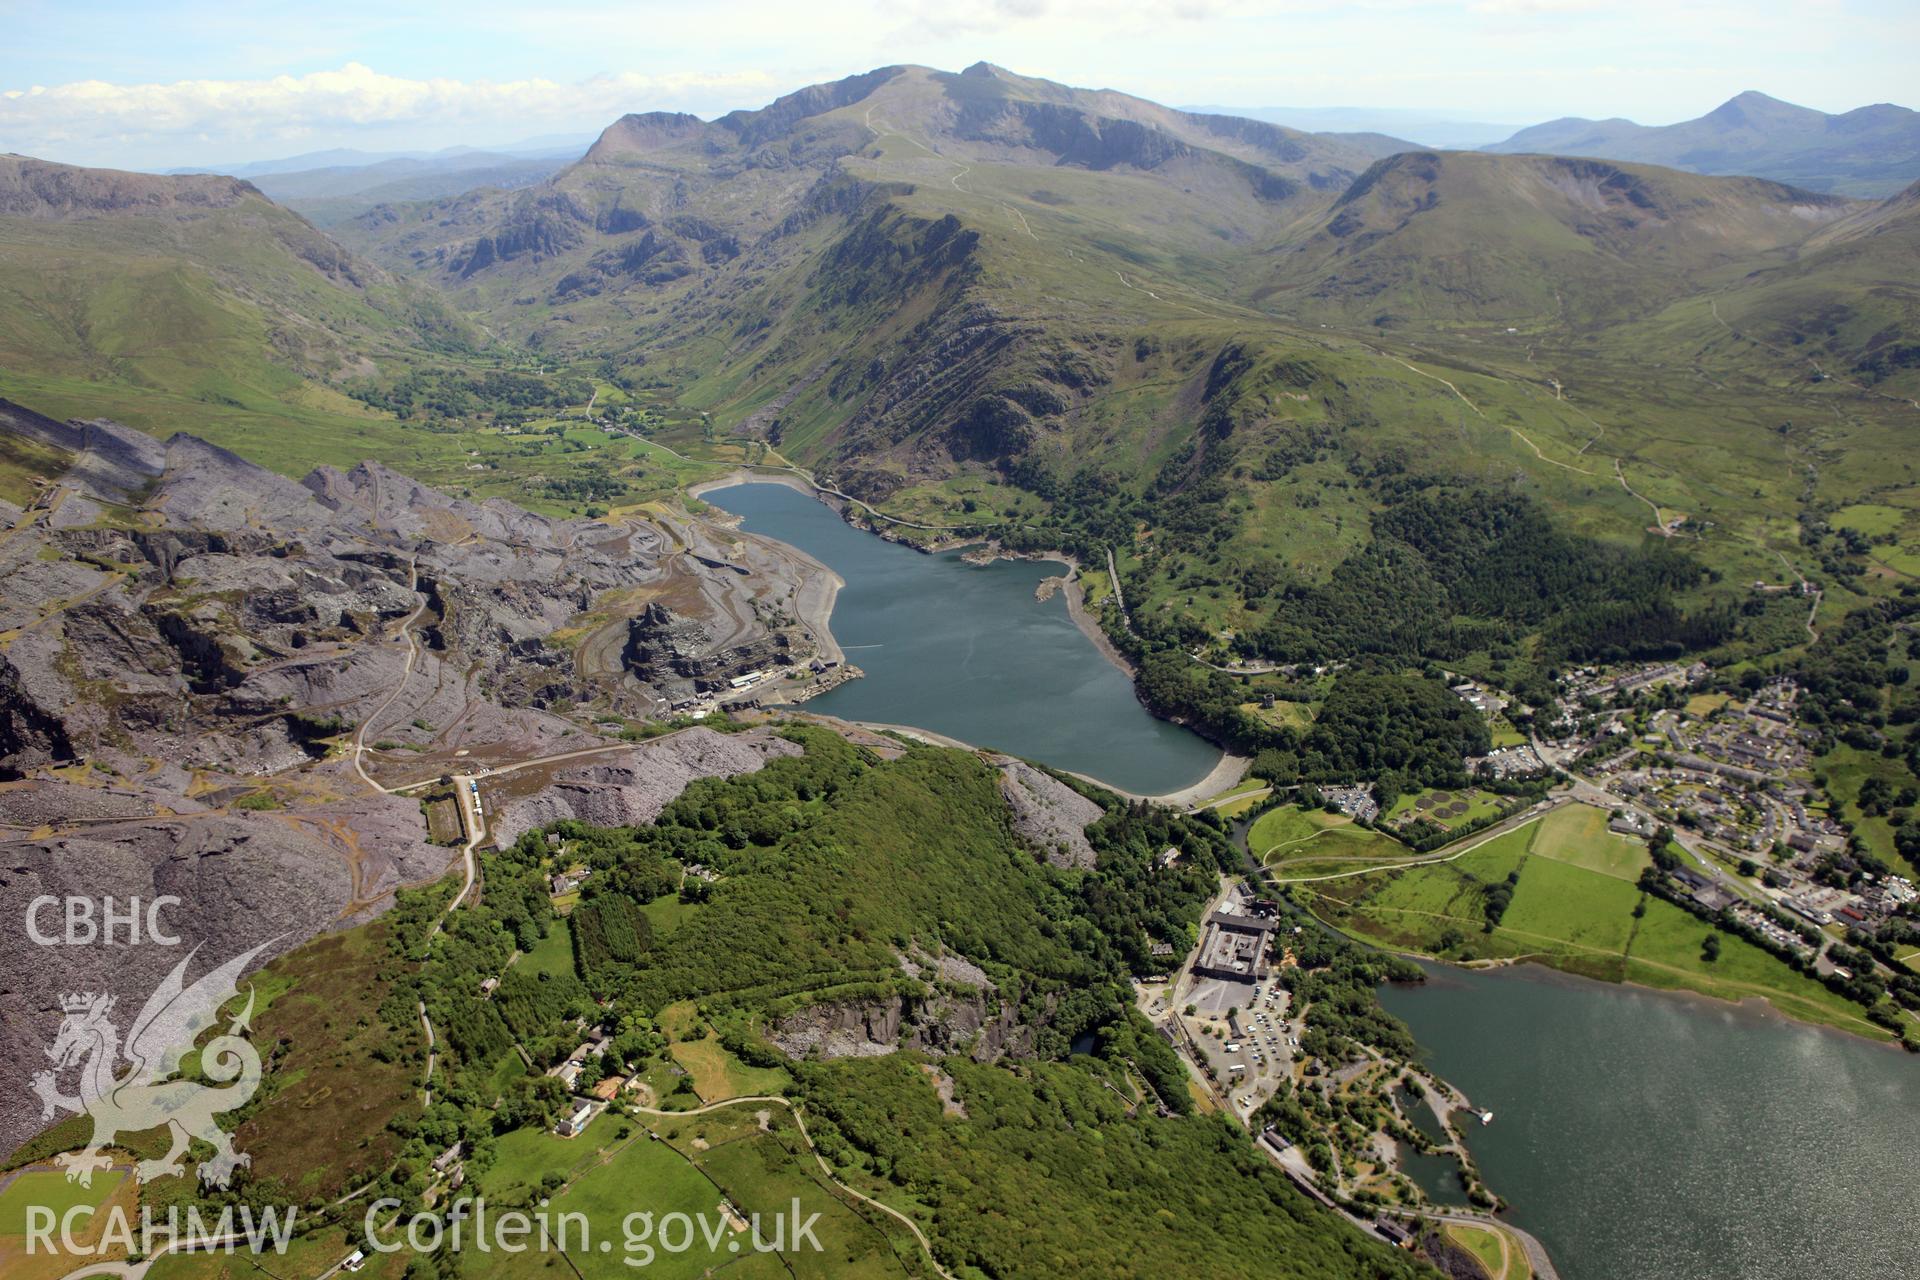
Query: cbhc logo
x=110, y=924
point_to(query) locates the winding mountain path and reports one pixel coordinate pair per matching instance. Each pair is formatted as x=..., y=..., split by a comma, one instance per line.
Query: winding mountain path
x=393, y=694
x=825, y=1168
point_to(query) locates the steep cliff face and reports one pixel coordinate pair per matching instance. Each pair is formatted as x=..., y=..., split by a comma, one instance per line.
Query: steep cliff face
x=30, y=734
x=977, y=1023
x=678, y=654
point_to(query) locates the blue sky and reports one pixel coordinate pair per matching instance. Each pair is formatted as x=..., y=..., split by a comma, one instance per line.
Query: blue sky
x=150, y=85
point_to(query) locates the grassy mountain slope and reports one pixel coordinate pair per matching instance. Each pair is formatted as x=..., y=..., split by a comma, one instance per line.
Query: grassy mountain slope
x=1532, y=240
x=1225, y=351
x=1849, y=305
x=664, y=206
x=1231, y=353
x=1870, y=151
x=171, y=292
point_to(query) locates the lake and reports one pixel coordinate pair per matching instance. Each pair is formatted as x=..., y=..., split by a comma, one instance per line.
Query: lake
x=967, y=651
x=1644, y=1136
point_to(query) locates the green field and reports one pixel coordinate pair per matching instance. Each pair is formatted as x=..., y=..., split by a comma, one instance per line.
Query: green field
x=1497, y=1253
x=1577, y=834
x=1295, y=842
x=1573, y=907
x=749, y=1158
x=718, y=1075
x=640, y=1175
x=111, y=1189
x=309, y=1254
x=51, y=1190
x=554, y=954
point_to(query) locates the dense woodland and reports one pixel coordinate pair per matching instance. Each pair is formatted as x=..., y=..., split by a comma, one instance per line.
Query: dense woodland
x=450, y=394
x=1449, y=572
x=1048, y=1175
x=828, y=868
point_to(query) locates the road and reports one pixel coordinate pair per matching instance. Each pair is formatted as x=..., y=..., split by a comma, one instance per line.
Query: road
x=1530, y=814
x=825, y=1168
x=1537, y=1256
x=413, y=656
x=1256, y=795
x=474, y=819
x=426, y=1088
x=1113, y=573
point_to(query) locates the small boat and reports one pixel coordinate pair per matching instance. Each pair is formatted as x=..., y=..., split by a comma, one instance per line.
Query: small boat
x=1486, y=1117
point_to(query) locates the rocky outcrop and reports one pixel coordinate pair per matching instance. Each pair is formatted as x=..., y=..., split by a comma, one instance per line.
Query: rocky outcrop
x=941, y=1022
x=40, y=189
x=630, y=788
x=1050, y=816
x=668, y=651
x=953, y=1008
x=30, y=733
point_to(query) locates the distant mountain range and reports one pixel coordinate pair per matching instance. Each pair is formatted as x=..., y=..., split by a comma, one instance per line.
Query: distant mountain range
x=1426, y=128
x=1870, y=151
x=328, y=187
x=568, y=145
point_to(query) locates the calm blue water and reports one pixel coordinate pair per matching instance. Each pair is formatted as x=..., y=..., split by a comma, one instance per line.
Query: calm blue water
x=1643, y=1136
x=965, y=650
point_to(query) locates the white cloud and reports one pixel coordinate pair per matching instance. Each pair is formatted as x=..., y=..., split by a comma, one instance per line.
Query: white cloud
x=90, y=116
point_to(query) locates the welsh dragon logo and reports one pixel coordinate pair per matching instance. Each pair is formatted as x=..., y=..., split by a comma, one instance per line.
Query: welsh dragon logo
x=139, y=1093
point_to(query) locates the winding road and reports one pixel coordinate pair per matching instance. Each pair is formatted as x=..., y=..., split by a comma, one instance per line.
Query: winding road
x=825, y=1168
x=413, y=657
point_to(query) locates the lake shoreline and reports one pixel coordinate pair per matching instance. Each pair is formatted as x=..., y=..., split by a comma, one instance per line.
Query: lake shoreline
x=1231, y=768
x=1076, y=594
x=1756, y=1007
x=816, y=586
x=815, y=610
x=1652, y=1091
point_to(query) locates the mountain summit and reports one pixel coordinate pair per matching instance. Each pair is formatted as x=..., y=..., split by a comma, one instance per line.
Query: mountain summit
x=1870, y=151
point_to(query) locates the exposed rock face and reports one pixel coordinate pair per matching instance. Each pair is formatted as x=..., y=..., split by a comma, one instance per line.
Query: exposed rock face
x=29, y=734
x=979, y=1025
x=630, y=788
x=198, y=640
x=961, y=1012
x=38, y=189
x=1048, y=814
x=242, y=879
x=671, y=652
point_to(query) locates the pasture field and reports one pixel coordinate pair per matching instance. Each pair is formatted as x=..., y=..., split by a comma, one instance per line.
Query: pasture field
x=718, y=1075
x=49, y=1189
x=1497, y=1253
x=1573, y=907
x=1666, y=953
x=553, y=956
x=638, y=1175
x=765, y=1173
x=1577, y=834
x=524, y=1157
x=1286, y=836
x=728, y=1167
x=309, y=1254
x=111, y=1191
